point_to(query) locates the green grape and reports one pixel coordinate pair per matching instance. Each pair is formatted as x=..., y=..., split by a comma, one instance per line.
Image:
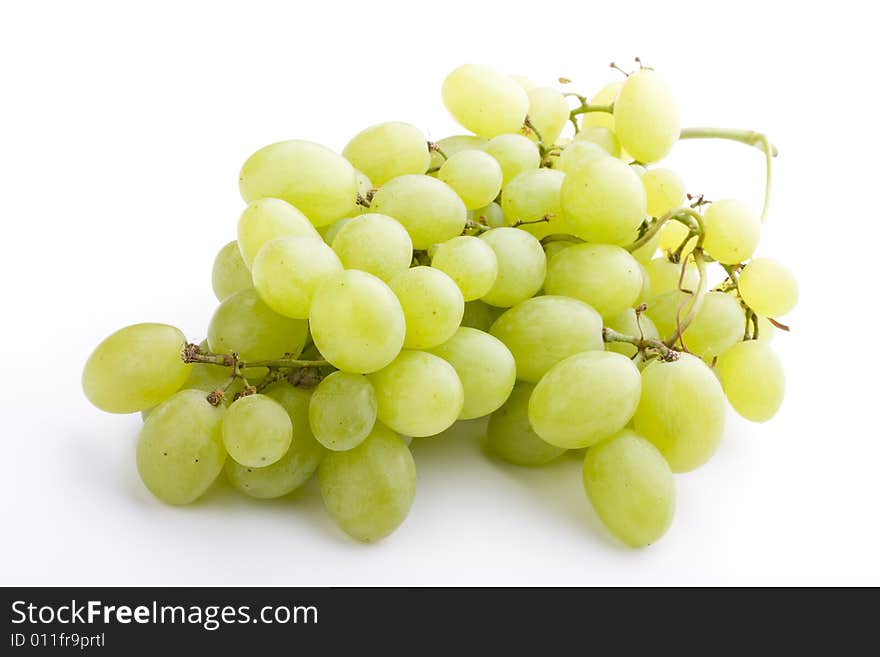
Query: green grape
x=551, y=249
x=474, y=175
x=752, y=378
x=230, y=274
x=388, y=150
x=532, y=196
x=330, y=232
x=768, y=287
x=515, y=154
x=605, y=276
x=135, y=368
x=479, y=315
x=681, y=411
x=180, y=451
x=299, y=462
x=718, y=325
x=356, y=322
x=646, y=116
x=428, y=208
x=605, y=96
x=604, y=201
x=419, y=394
x=485, y=101
x=266, y=219
x=603, y=137
x=578, y=154
x=376, y=244
x=492, y=215
x=432, y=305
x=511, y=437
x=585, y=398
x=449, y=146
x=468, y=261
x=644, y=254
x=631, y=488
x=522, y=266
x=485, y=367
x=548, y=112
x=343, y=410
x=288, y=270
x=256, y=430
x=629, y=323
x=664, y=190
x=545, y=330
x=733, y=230
x=369, y=490
x=673, y=234
x=665, y=276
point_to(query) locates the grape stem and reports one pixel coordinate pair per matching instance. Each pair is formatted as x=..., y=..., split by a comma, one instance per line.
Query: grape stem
x=681, y=324
x=688, y=216
x=192, y=354
x=666, y=352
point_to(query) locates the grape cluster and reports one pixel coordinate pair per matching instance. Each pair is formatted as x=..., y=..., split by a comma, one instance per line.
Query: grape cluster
x=558, y=285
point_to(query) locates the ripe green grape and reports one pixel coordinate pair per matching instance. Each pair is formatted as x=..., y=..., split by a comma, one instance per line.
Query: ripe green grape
x=432, y=305
x=485, y=101
x=603, y=137
x=585, y=398
x=664, y=190
x=733, y=230
x=548, y=112
x=768, y=287
x=673, y=234
x=629, y=323
x=266, y=219
x=388, y=150
x=428, y=208
x=681, y=411
x=515, y=154
x=474, y=175
x=256, y=431
x=752, y=378
x=522, y=266
x=180, y=451
x=320, y=183
x=343, y=410
x=665, y=276
x=485, y=367
x=374, y=243
x=479, y=315
x=492, y=215
x=605, y=96
x=419, y=394
x=646, y=116
x=511, y=437
x=135, y=368
x=230, y=274
x=604, y=201
x=545, y=330
x=470, y=262
x=631, y=488
x=718, y=325
x=288, y=270
x=356, y=322
x=329, y=233
x=454, y=144
x=578, y=154
x=532, y=196
x=369, y=490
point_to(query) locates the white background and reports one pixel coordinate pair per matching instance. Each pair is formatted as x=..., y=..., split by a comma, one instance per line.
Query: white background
x=122, y=128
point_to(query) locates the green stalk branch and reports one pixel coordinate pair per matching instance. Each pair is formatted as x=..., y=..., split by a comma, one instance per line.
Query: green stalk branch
x=693, y=305
x=641, y=343
x=192, y=354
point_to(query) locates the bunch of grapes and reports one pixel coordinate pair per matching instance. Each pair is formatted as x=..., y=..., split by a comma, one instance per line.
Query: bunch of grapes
x=559, y=285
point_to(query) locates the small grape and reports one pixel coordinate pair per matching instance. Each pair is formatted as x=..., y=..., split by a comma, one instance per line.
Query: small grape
x=264, y=220
x=768, y=287
x=388, y=150
x=470, y=262
x=257, y=431
x=515, y=154
x=485, y=101
x=752, y=378
x=374, y=243
x=522, y=266
x=733, y=230
x=492, y=215
x=673, y=234
x=230, y=274
x=432, y=305
x=511, y=437
x=474, y=175
x=342, y=410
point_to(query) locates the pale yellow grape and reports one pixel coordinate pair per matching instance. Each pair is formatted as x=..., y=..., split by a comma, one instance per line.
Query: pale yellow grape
x=256, y=430
x=605, y=96
x=320, y=183
x=135, y=368
x=468, y=261
x=603, y=137
x=604, y=201
x=343, y=410
x=511, y=437
x=369, y=490
x=479, y=315
x=452, y=145
x=672, y=235
x=522, y=266
x=180, y=451
x=718, y=325
x=603, y=275
x=485, y=101
x=631, y=488
x=584, y=399
x=646, y=116
x=388, y=150
x=665, y=276
x=515, y=154
x=264, y=220
x=664, y=190
x=432, y=305
x=542, y=331
x=645, y=253
x=768, y=287
x=535, y=195
x=629, y=323
x=419, y=394
x=474, y=175
x=551, y=249
x=681, y=411
x=752, y=378
x=356, y=322
x=492, y=215
x=733, y=230
x=374, y=243
x=577, y=154
x=330, y=232
x=229, y=273
x=288, y=270
x=548, y=112
x=428, y=208
x=485, y=367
